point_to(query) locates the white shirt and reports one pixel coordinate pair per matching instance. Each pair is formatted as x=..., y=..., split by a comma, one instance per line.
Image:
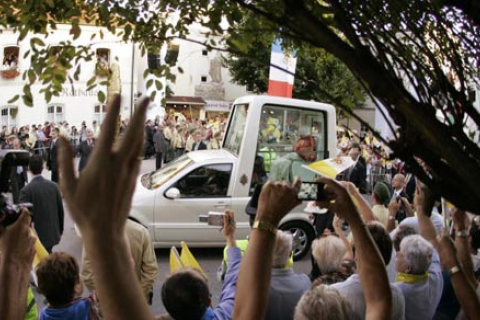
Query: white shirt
x=352, y=290
x=422, y=298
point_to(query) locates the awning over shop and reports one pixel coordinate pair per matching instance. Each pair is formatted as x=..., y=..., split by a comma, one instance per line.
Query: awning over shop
x=183, y=100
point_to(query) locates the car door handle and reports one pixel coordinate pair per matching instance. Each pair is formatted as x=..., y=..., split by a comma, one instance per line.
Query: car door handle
x=220, y=206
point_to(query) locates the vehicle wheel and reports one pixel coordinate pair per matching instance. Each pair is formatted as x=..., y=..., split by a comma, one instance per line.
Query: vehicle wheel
x=303, y=235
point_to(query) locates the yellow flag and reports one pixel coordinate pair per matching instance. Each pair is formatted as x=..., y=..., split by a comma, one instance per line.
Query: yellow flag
x=330, y=167
x=40, y=252
x=188, y=259
x=175, y=262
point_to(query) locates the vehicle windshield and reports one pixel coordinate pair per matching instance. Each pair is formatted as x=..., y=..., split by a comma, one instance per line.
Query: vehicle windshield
x=159, y=177
x=236, y=129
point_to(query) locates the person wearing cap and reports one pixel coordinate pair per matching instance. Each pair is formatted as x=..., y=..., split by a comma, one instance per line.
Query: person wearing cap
x=179, y=140
x=191, y=138
x=380, y=200
x=289, y=166
x=216, y=142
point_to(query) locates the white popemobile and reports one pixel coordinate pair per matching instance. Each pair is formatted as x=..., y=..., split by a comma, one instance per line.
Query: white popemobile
x=260, y=135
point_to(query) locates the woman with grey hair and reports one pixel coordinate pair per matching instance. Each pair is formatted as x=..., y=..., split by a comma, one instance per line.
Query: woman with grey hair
x=419, y=276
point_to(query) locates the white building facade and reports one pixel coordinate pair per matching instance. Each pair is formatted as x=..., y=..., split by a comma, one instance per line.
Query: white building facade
x=204, y=76
x=75, y=103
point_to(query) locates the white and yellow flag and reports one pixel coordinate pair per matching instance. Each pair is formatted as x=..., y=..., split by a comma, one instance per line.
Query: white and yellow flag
x=330, y=167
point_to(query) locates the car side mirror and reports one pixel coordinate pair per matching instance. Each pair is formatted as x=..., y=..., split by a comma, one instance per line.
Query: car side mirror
x=172, y=193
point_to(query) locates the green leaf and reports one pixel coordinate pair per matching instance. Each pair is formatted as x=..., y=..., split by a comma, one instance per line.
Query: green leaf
x=128, y=30
x=76, y=74
x=48, y=96
x=146, y=73
x=36, y=42
x=153, y=95
x=27, y=96
x=180, y=70
x=158, y=85
x=91, y=81
x=149, y=83
x=31, y=76
x=101, y=96
x=75, y=31
x=14, y=99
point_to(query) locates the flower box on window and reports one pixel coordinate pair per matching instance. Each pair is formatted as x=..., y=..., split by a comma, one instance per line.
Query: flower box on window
x=9, y=74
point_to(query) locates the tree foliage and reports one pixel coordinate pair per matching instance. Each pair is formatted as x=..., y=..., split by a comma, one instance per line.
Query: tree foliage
x=419, y=59
x=317, y=72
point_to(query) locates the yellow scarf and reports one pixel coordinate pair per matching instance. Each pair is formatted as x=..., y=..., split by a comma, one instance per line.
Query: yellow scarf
x=411, y=278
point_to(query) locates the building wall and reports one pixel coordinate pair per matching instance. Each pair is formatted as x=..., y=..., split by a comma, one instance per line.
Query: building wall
x=78, y=103
x=216, y=87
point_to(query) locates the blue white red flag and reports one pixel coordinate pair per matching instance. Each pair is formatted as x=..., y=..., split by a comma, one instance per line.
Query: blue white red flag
x=282, y=71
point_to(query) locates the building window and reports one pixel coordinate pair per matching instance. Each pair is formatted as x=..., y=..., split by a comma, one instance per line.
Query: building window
x=204, y=79
x=9, y=116
x=55, y=113
x=172, y=54
x=103, y=62
x=100, y=110
x=10, y=62
x=204, y=52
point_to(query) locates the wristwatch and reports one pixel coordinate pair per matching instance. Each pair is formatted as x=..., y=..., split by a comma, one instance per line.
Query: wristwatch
x=264, y=225
x=454, y=270
x=391, y=217
x=462, y=233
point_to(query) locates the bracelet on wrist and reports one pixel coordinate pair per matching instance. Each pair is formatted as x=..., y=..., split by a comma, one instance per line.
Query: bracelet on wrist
x=462, y=233
x=265, y=225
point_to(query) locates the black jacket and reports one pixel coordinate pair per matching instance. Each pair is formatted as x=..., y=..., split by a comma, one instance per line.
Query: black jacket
x=84, y=150
x=48, y=214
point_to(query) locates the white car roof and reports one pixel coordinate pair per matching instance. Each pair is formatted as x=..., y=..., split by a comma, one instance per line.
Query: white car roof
x=211, y=155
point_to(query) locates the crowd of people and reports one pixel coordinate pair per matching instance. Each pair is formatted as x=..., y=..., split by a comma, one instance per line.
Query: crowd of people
x=389, y=259
x=176, y=134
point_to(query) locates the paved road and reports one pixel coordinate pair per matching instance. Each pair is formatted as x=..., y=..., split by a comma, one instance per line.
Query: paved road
x=209, y=259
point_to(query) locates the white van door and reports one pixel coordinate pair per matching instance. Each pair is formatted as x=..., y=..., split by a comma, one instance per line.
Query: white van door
x=201, y=189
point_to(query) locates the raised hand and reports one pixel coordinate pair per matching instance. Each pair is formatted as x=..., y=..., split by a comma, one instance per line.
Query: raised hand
x=99, y=200
x=17, y=245
x=276, y=200
x=338, y=199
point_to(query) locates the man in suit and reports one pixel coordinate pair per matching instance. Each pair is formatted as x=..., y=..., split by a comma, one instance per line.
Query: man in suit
x=48, y=214
x=52, y=154
x=358, y=172
x=399, y=195
x=160, y=145
x=198, y=144
x=18, y=177
x=84, y=149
